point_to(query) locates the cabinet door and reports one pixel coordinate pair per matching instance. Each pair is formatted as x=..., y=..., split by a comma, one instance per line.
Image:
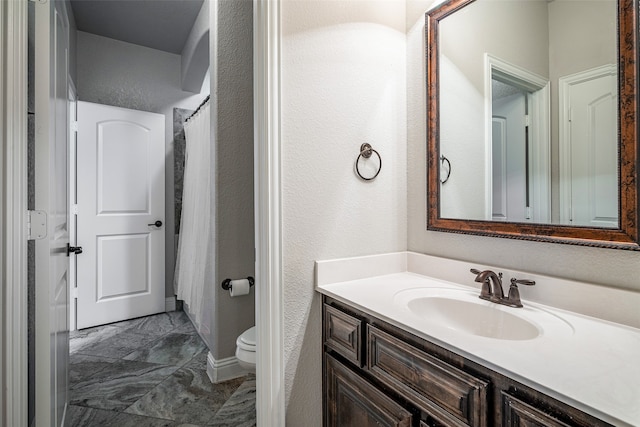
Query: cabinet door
x=517, y=413
x=351, y=401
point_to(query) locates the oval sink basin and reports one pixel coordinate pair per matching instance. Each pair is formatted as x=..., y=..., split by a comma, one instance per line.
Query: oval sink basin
x=476, y=319
x=463, y=311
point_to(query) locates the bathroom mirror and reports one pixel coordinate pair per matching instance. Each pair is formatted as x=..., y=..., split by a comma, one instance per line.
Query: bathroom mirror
x=532, y=120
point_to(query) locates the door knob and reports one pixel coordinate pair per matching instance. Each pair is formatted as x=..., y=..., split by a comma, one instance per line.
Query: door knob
x=75, y=249
x=158, y=224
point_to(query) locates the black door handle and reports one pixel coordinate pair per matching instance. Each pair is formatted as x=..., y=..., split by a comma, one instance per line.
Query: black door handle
x=158, y=224
x=75, y=249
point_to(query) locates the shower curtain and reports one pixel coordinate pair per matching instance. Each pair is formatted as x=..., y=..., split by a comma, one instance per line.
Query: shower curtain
x=194, y=258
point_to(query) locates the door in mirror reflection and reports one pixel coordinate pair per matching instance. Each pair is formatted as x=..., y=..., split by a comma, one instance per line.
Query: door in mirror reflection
x=588, y=148
x=561, y=165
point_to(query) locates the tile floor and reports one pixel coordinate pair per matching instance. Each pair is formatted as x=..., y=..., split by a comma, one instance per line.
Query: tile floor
x=150, y=372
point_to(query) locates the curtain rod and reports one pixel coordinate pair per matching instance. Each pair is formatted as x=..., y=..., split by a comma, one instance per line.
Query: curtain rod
x=198, y=109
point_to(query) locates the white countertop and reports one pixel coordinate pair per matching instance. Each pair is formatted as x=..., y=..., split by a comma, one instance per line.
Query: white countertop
x=593, y=364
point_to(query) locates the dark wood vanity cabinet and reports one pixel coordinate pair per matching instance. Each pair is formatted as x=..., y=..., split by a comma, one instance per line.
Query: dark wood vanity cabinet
x=376, y=374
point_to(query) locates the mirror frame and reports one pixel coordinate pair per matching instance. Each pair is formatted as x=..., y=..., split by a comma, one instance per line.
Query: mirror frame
x=624, y=237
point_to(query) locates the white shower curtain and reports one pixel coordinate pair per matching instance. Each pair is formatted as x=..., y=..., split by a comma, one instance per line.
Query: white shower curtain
x=194, y=257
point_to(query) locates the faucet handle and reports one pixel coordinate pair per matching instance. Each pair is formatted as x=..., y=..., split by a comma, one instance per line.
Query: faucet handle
x=515, y=281
x=513, y=299
x=475, y=271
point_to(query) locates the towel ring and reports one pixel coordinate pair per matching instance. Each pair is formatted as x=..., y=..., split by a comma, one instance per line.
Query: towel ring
x=365, y=152
x=442, y=160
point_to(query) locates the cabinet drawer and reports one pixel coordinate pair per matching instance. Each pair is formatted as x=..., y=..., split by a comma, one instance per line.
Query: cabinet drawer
x=517, y=413
x=343, y=333
x=354, y=402
x=429, y=382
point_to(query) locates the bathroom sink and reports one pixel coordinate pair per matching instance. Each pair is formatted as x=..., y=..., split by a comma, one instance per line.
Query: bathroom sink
x=462, y=311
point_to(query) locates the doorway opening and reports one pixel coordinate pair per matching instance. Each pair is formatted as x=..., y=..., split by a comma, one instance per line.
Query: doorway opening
x=517, y=143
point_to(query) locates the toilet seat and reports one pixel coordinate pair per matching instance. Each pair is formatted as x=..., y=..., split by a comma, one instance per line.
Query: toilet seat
x=246, y=349
x=247, y=340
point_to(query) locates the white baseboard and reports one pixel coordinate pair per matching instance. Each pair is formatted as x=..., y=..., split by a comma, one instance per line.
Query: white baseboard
x=223, y=369
x=170, y=304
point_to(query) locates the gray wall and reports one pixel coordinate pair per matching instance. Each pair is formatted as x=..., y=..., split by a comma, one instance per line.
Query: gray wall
x=125, y=75
x=233, y=129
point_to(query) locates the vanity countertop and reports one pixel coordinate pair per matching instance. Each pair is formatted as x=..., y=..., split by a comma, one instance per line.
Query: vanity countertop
x=594, y=368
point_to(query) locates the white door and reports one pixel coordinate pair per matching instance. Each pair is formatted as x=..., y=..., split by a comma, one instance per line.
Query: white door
x=120, y=219
x=51, y=179
x=590, y=147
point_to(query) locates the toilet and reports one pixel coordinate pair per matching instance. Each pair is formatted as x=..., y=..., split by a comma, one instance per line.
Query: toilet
x=246, y=349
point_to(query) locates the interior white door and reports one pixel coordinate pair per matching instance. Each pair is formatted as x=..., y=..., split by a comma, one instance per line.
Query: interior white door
x=51, y=179
x=120, y=220
x=591, y=143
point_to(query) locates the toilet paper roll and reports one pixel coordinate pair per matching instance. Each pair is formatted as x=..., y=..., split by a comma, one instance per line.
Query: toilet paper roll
x=239, y=287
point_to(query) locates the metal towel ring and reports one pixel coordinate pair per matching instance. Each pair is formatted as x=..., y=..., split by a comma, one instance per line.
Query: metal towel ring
x=365, y=151
x=442, y=160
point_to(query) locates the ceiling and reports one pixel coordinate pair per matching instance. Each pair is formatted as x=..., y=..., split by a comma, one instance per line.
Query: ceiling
x=158, y=24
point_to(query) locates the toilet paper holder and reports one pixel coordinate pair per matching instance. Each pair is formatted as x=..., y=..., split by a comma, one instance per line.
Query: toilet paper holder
x=226, y=283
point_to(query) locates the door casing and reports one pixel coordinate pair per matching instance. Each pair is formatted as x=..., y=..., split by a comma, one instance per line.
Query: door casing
x=13, y=218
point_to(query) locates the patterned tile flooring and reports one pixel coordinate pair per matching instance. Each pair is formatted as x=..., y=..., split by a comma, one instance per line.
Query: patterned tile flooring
x=151, y=372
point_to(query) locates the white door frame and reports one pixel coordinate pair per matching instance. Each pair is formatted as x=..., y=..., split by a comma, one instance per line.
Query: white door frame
x=540, y=147
x=73, y=201
x=564, y=131
x=270, y=403
x=13, y=209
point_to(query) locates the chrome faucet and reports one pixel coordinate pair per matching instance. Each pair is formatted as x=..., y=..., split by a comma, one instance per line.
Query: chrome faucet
x=492, y=288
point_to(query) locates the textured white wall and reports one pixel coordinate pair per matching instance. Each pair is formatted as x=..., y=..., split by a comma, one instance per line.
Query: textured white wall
x=125, y=75
x=343, y=83
x=607, y=267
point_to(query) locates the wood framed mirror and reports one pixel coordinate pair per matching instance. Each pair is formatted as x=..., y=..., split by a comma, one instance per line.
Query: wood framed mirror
x=466, y=198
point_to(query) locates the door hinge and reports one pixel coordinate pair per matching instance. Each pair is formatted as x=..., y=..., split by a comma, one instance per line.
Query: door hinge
x=74, y=209
x=527, y=120
x=74, y=126
x=36, y=225
x=74, y=293
x=570, y=114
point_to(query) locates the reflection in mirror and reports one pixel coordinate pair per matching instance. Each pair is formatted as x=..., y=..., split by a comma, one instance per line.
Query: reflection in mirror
x=528, y=107
x=534, y=104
